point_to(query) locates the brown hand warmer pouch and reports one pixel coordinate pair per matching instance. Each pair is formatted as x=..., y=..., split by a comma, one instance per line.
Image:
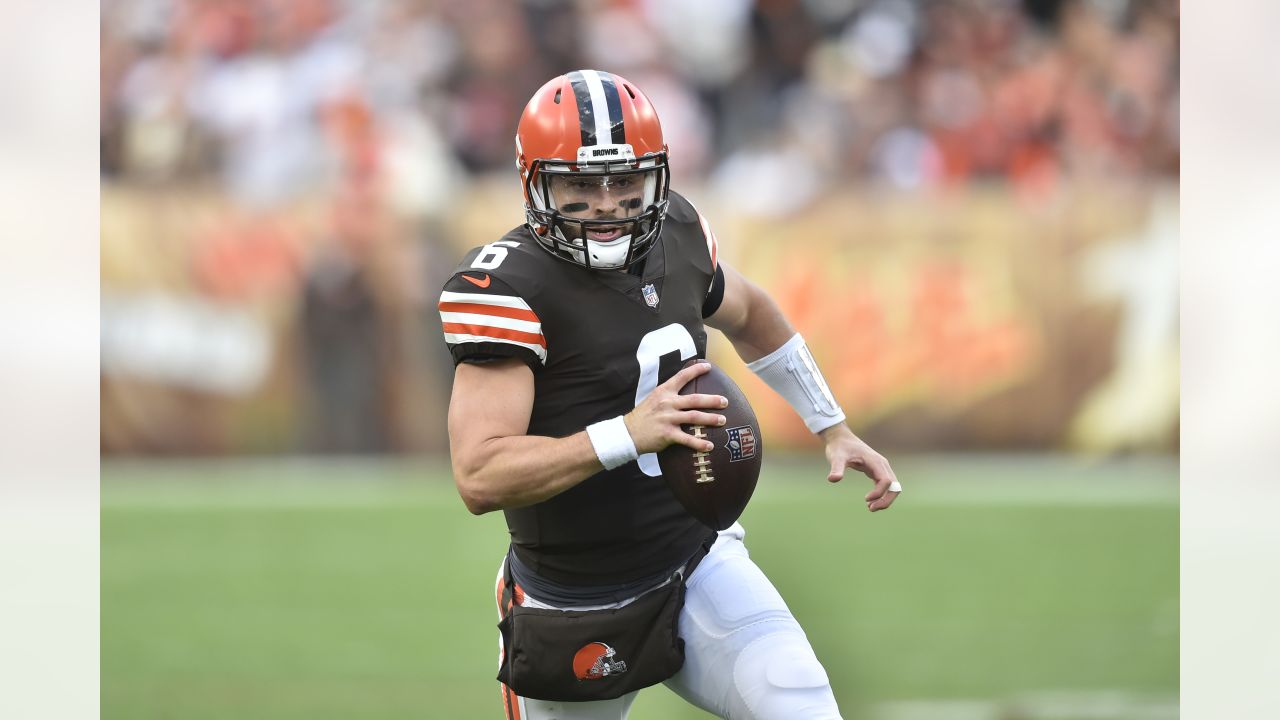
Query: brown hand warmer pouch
x=583, y=655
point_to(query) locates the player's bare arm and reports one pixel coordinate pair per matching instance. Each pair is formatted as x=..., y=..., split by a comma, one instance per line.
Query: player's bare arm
x=749, y=318
x=496, y=465
x=755, y=325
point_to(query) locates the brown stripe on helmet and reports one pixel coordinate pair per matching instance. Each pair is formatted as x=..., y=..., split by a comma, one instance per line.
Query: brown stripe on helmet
x=614, y=103
x=586, y=112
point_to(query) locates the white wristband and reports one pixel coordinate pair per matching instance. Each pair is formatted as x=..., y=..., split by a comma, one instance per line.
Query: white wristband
x=612, y=442
x=792, y=373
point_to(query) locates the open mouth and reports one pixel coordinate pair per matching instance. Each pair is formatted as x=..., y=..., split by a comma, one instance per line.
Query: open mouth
x=604, y=235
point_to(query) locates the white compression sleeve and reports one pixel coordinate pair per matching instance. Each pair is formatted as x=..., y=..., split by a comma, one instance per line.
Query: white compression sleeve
x=792, y=373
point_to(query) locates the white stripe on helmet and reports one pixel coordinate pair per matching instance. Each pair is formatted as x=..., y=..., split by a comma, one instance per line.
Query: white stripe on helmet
x=599, y=107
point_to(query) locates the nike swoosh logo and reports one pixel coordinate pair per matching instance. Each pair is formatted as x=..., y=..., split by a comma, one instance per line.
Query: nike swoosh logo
x=478, y=283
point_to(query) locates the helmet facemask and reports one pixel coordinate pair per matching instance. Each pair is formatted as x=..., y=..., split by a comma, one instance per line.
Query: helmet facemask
x=603, y=215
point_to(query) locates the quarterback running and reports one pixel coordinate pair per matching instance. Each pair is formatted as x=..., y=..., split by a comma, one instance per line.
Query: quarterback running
x=569, y=334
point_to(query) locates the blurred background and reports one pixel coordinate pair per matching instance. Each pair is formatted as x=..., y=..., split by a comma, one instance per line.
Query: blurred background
x=969, y=207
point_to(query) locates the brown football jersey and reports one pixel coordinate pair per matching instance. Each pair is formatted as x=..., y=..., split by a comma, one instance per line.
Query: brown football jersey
x=598, y=342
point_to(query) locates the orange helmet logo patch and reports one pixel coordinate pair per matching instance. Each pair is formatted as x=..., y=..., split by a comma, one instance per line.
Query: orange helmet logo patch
x=596, y=660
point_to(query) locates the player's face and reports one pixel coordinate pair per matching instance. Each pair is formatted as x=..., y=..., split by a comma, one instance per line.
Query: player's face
x=598, y=197
x=603, y=214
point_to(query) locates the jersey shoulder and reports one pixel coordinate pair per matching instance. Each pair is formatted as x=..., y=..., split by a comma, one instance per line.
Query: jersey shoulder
x=515, y=259
x=679, y=209
x=692, y=229
x=489, y=306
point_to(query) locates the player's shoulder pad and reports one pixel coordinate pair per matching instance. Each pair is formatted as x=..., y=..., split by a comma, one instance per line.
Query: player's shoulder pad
x=515, y=259
x=683, y=212
x=679, y=209
x=487, y=308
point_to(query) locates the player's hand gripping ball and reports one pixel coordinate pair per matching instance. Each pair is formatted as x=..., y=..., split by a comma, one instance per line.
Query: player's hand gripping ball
x=715, y=486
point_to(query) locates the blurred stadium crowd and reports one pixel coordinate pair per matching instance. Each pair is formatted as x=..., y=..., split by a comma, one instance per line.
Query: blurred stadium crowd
x=286, y=182
x=277, y=97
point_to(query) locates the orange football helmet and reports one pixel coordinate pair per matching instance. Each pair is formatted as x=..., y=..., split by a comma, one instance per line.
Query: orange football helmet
x=593, y=165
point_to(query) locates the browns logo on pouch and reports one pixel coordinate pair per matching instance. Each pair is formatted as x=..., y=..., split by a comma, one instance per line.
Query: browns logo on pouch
x=596, y=660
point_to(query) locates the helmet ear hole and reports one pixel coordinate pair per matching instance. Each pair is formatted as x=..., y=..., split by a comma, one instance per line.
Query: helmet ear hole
x=557, y=98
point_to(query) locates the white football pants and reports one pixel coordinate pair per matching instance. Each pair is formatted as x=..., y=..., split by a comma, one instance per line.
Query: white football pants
x=746, y=657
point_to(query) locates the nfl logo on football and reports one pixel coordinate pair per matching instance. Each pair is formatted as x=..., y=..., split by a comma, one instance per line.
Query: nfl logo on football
x=650, y=295
x=742, y=443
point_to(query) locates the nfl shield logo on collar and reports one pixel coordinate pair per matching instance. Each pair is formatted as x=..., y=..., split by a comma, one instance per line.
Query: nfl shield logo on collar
x=650, y=295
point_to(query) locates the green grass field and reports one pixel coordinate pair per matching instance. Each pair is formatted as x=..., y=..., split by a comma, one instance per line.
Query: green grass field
x=997, y=587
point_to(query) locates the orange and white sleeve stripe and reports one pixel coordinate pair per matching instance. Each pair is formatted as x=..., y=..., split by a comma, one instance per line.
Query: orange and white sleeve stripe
x=483, y=318
x=711, y=238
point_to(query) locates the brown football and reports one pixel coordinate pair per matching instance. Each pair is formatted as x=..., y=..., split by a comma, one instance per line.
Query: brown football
x=715, y=486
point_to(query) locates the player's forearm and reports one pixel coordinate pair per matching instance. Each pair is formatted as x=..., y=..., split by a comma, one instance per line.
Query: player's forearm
x=522, y=470
x=777, y=354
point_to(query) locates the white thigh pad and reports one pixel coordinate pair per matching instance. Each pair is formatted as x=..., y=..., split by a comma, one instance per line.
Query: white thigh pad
x=729, y=595
x=778, y=676
x=746, y=656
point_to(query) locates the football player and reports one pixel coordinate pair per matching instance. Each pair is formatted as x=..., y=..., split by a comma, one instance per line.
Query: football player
x=568, y=336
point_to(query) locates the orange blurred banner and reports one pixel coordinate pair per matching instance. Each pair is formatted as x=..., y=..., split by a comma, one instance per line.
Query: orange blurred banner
x=974, y=319
x=979, y=320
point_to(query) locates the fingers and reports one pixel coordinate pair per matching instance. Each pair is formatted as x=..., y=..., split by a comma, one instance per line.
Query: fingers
x=697, y=401
x=837, y=471
x=886, y=489
x=682, y=378
x=883, y=502
x=850, y=452
x=656, y=421
x=680, y=437
x=877, y=469
x=881, y=496
x=693, y=417
x=881, y=474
